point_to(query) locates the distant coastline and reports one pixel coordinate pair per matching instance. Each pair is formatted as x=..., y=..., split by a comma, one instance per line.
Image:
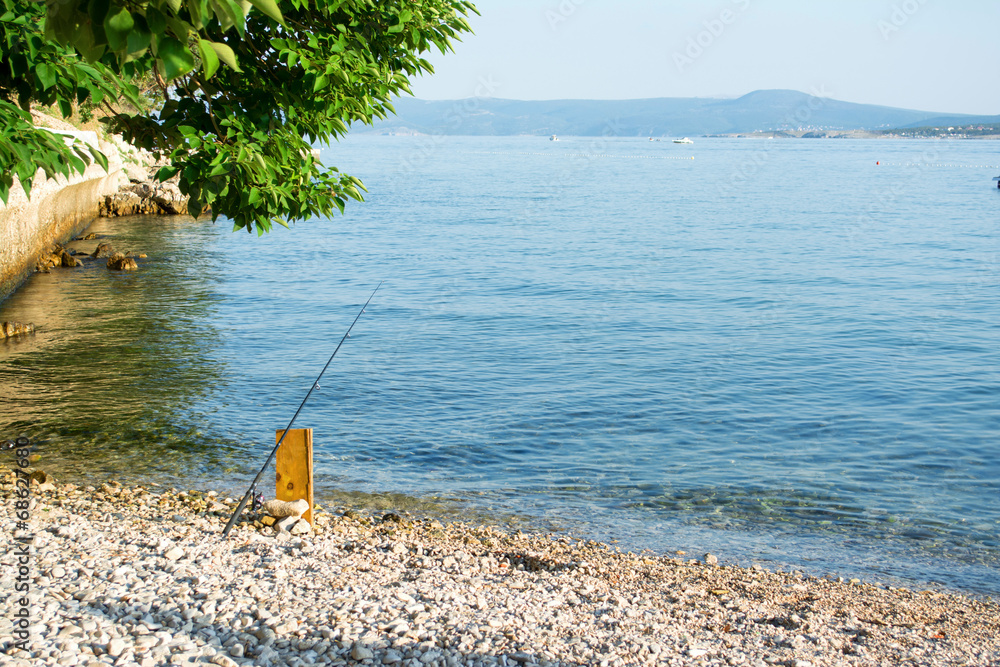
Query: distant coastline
x=781, y=113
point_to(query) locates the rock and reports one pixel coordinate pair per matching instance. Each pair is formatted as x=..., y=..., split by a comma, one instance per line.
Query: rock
x=361, y=652
x=268, y=520
x=224, y=660
x=170, y=198
x=136, y=173
x=66, y=259
x=236, y=650
x=120, y=262
x=86, y=237
x=103, y=249
x=711, y=559
x=11, y=329
x=392, y=517
x=280, y=508
x=301, y=527
x=174, y=554
x=392, y=657
x=115, y=647
x=285, y=525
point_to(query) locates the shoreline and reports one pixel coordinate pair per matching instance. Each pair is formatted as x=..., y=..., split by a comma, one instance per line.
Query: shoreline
x=788, y=552
x=123, y=575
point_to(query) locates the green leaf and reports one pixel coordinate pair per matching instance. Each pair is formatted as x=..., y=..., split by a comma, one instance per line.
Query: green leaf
x=46, y=75
x=117, y=27
x=98, y=10
x=175, y=5
x=269, y=7
x=226, y=55
x=166, y=173
x=321, y=82
x=176, y=58
x=156, y=21
x=209, y=59
x=137, y=42
x=98, y=156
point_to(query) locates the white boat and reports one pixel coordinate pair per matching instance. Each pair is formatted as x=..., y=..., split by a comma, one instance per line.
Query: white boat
x=553, y=138
x=685, y=140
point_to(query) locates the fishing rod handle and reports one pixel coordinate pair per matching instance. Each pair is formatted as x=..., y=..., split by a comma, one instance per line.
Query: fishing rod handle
x=237, y=513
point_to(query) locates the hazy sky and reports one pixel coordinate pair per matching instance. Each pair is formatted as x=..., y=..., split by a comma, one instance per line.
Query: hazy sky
x=919, y=54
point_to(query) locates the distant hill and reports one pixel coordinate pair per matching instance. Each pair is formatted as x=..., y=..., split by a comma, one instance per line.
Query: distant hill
x=762, y=110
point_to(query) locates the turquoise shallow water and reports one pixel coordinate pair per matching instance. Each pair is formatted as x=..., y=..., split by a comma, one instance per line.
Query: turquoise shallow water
x=777, y=351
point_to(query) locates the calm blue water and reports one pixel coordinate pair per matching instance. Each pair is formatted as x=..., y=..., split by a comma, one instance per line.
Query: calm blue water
x=777, y=351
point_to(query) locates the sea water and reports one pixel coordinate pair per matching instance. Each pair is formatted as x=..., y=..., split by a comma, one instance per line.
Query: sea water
x=781, y=351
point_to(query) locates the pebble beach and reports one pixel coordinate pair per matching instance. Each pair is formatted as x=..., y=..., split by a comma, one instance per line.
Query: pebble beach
x=142, y=576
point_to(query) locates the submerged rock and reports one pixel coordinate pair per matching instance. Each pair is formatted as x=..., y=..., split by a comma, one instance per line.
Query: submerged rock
x=54, y=257
x=66, y=259
x=11, y=329
x=120, y=262
x=103, y=249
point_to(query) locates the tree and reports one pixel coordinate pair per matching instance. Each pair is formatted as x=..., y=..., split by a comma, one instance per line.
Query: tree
x=249, y=88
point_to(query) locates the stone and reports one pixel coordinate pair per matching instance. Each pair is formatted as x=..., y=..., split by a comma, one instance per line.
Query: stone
x=301, y=527
x=224, y=660
x=711, y=559
x=361, y=652
x=392, y=657
x=174, y=553
x=268, y=520
x=116, y=646
x=281, y=508
x=285, y=525
x=67, y=259
x=121, y=262
x=103, y=249
x=170, y=199
x=11, y=329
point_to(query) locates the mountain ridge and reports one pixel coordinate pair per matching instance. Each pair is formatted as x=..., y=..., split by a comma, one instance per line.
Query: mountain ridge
x=757, y=111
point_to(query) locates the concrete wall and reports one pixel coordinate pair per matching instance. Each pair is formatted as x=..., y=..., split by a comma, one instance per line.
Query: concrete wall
x=58, y=210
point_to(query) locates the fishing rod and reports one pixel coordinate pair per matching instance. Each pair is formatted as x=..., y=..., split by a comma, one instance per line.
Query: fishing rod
x=250, y=492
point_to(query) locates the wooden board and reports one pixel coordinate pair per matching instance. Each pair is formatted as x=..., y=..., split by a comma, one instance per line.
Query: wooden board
x=294, y=468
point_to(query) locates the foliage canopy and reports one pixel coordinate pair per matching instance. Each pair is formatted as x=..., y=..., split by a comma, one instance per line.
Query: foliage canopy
x=249, y=87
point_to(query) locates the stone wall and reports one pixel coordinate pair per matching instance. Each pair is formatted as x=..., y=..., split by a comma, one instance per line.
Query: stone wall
x=57, y=210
